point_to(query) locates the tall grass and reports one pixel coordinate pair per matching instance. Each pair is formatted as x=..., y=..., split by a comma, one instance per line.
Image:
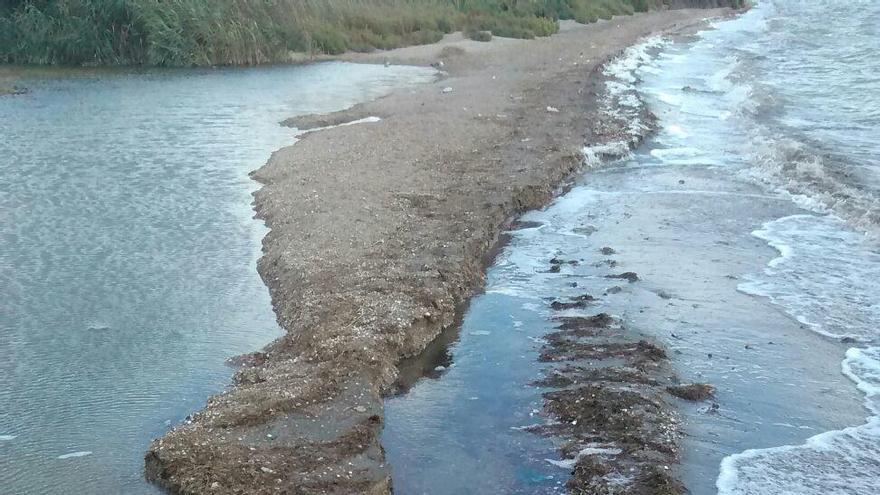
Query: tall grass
x=239, y=32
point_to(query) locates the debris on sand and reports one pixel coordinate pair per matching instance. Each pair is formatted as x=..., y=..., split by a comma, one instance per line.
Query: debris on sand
x=628, y=276
x=13, y=91
x=693, y=392
x=618, y=430
x=578, y=302
x=662, y=294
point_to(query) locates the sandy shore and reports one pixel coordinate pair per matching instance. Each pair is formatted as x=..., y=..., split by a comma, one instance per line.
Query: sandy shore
x=379, y=232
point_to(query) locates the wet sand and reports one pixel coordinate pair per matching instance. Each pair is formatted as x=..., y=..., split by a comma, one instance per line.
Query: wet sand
x=379, y=233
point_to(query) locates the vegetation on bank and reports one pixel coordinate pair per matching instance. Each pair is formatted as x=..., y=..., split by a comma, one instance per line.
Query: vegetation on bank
x=241, y=32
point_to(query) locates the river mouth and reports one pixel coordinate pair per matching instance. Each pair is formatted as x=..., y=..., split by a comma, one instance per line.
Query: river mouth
x=128, y=253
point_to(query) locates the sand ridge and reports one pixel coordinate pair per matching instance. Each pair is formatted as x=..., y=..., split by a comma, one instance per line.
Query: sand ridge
x=379, y=233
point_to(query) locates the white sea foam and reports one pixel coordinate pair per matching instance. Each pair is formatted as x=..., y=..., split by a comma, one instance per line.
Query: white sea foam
x=81, y=453
x=794, y=167
x=665, y=153
x=669, y=99
x=624, y=67
x=601, y=153
x=365, y=120
x=590, y=449
x=826, y=275
x=6, y=438
x=621, y=105
x=676, y=130
x=836, y=462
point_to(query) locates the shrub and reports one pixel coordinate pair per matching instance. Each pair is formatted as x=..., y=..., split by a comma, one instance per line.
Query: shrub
x=327, y=39
x=479, y=35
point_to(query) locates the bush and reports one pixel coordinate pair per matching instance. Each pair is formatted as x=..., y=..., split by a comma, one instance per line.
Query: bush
x=479, y=35
x=327, y=39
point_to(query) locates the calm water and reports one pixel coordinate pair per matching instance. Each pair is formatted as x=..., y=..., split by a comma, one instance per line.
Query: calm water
x=754, y=211
x=128, y=255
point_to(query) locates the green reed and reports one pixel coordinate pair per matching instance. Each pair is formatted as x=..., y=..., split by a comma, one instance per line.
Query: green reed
x=246, y=32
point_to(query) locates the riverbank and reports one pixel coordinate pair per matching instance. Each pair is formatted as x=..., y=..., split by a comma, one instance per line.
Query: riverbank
x=379, y=233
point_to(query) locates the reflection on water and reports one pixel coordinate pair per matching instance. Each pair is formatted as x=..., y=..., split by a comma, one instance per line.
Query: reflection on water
x=128, y=252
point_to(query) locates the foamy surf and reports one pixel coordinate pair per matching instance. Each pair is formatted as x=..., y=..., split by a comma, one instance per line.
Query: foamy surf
x=826, y=276
x=774, y=108
x=626, y=120
x=836, y=462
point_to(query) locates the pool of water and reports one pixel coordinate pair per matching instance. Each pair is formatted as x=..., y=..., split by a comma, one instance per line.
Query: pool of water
x=128, y=254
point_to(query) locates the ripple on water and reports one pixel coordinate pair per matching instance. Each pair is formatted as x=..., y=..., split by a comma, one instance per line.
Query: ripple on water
x=128, y=252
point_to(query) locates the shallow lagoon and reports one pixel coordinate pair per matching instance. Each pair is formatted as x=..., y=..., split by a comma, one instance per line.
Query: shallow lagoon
x=128, y=253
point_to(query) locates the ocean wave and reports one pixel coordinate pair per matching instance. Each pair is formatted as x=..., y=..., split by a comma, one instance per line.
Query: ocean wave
x=796, y=75
x=819, y=182
x=835, y=462
x=826, y=276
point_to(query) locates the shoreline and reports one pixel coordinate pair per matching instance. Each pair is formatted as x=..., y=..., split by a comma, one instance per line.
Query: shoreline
x=367, y=263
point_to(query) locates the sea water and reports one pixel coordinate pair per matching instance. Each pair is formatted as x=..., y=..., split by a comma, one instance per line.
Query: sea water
x=750, y=216
x=787, y=98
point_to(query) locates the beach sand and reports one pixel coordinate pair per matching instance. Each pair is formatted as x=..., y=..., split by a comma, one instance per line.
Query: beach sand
x=380, y=232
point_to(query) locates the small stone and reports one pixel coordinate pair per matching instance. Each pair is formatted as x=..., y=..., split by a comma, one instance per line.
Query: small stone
x=360, y=409
x=552, y=109
x=447, y=89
